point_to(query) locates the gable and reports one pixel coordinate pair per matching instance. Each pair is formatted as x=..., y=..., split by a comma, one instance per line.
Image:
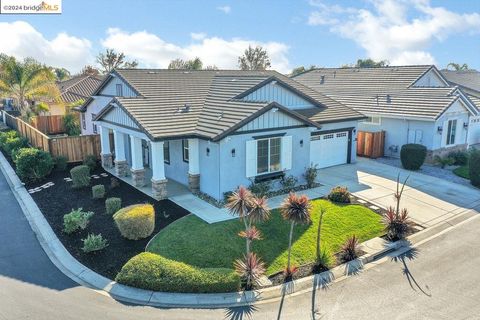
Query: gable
x=275, y=92
x=118, y=116
x=457, y=107
x=431, y=79
x=110, y=88
x=272, y=119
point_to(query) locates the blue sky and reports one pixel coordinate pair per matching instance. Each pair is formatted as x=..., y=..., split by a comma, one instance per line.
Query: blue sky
x=324, y=33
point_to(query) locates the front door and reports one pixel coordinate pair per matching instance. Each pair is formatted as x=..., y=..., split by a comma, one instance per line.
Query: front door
x=146, y=153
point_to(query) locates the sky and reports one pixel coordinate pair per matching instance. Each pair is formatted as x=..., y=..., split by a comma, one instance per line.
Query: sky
x=324, y=33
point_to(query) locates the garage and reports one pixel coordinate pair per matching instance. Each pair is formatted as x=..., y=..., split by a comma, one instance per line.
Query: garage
x=329, y=149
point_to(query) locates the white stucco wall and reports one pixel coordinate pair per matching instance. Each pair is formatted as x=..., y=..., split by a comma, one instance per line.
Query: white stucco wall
x=430, y=79
x=94, y=107
x=456, y=111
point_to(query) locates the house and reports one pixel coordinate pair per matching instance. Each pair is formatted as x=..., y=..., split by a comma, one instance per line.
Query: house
x=76, y=88
x=469, y=81
x=412, y=104
x=215, y=130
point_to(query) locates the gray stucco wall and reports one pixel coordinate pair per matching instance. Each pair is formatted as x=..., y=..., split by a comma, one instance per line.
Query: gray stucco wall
x=177, y=169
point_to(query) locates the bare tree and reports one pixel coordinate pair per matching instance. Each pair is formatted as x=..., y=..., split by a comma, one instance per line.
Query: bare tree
x=254, y=59
x=89, y=70
x=111, y=60
x=193, y=64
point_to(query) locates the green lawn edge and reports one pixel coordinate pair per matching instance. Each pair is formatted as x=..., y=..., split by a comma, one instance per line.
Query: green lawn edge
x=462, y=172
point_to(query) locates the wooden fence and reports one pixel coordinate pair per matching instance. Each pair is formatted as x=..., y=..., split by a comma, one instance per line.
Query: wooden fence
x=370, y=144
x=74, y=148
x=49, y=124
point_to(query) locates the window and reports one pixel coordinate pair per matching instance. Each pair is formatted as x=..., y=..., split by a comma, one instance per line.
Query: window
x=451, y=131
x=84, y=123
x=185, y=150
x=373, y=120
x=93, y=123
x=119, y=88
x=166, y=152
x=268, y=155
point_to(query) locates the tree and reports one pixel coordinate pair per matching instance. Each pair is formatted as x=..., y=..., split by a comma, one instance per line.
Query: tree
x=254, y=59
x=296, y=210
x=26, y=80
x=301, y=69
x=61, y=73
x=89, y=70
x=193, y=64
x=111, y=60
x=370, y=63
x=457, y=66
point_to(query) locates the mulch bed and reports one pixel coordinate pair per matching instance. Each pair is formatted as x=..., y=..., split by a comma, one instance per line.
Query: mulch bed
x=59, y=199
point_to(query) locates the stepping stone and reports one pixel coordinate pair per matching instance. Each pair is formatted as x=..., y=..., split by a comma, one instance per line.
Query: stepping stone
x=68, y=179
x=374, y=207
x=95, y=176
x=104, y=174
x=361, y=201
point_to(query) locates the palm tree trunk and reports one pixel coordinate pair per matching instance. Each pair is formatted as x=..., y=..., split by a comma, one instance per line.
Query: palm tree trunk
x=290, y=247
x=318, y=235
x=247, y=227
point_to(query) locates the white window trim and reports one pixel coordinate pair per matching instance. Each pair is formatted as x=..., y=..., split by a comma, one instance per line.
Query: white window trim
x=456, y=132
x=370, y=122
x=269, y=157
x=185, y=148
x=119, y=90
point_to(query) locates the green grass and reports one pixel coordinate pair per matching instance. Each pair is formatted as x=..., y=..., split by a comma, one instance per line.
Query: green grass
x=462, y=172
x=217, y=245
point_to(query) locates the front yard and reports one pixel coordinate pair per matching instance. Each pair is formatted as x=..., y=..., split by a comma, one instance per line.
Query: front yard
x=462, y=172
x=192, y=241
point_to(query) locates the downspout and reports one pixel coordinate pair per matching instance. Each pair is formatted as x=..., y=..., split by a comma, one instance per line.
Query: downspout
x=219, y=169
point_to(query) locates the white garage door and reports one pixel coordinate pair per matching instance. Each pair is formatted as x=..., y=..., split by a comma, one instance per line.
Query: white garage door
x=329, y=149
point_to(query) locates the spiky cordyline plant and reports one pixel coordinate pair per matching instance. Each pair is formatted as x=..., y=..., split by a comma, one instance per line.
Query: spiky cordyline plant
x=397, y=225
x=250, y=269
x=251, y=234
x=349, y=249
x=295, y=209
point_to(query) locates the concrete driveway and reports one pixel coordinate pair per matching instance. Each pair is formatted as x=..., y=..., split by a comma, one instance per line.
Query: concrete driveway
x=429, y=200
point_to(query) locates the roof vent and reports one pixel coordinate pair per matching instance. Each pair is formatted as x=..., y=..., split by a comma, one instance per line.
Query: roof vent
x=377, y=99
x=152, y=72
x=186, y=108
x=274, y=82
x=220, y=116
x=186, y=72
x=334, y=74
x=322, y=79
x=389, y=99
x=233, y=79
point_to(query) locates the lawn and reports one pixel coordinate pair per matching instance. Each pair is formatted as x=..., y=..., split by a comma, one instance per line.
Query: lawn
x=197, y=243
x=462, y=172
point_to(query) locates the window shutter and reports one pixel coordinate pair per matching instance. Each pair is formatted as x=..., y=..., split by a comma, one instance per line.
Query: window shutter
x=287, y=153
x=251, y=158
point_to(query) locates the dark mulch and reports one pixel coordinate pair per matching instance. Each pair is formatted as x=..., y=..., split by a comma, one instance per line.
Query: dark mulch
x=59, y=199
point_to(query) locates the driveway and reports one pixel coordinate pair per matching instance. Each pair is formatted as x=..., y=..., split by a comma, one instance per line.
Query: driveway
x=429, y=200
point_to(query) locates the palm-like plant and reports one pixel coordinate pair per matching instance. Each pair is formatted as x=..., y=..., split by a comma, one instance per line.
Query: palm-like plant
x=250, y=269
x=251, y=234
x=26, y=80
x=397, y=221
x=295, y=209
x=349, y=249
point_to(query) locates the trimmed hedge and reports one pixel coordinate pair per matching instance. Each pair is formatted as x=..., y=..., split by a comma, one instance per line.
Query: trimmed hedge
x=90, y=161
x=153, y=272
x=98, y=191
x=10, y=141
x=112, y=205
x=474, y=167
x=80, y=176
x=339, y=194
x=136, y=221
x=33, y=164
x=413, y=156
x=61, y=163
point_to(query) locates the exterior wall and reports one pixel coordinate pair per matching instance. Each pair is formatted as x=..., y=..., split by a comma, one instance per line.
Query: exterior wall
x=94, y=107
x=57, y=109
x=456, y=111
x=275, y=92
x=177, y=169
x=474, y=131
x=209, y=169
x=270, y=120
x=117, y=115
x=111, y=88
x=430, y=79
x=397, y=131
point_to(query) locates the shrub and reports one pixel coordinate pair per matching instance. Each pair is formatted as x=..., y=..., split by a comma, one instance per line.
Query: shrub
x=136, y=221
x=98, y=191
x=325, y=258
x=12, y=144
x=349, y=250
x=288, y=182
x=94, y=243
x=6, y=135
x=250, y=269
x=460, y=158
x=227, y=195
x=112, y=205
x=61, y=163
x=339, y=194
x=90, y=161
x=114, y=183
x=413, y=156
x=310, y=175
x=80, y=176
x=33, y=164
x=260, y=189
x=154, y=272
x=397, y=224
x=474, y=167
x=75, y=220
x=72, y=125
x=443, y=162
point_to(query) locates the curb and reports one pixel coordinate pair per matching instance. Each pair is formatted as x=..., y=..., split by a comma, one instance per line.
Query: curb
x=79, y=273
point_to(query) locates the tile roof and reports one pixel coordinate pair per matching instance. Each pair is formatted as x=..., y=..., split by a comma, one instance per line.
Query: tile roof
x=386, y=91
x=210, y=95
x=468, y=78
x=78, y=87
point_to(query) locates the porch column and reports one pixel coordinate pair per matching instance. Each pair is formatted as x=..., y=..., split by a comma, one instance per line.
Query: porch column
x=107, y=159
x=159, y=181
x=138, y=172
x=121, y=165
x=193, y=165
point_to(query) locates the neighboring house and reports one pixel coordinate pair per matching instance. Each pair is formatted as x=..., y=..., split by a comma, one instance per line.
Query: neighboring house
x=412, y=104
x=216, y=130
x=74, y=89
x=469, y=81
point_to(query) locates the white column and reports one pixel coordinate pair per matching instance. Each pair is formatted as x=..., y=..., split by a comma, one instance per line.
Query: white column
x=137, y=154
x=158, y=161
x=119, y=141
x=194, y=157
x=105, y=140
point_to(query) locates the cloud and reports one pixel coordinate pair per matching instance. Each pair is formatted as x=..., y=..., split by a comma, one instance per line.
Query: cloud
x=225, y=9
x=387, y=31
x=198, y=36
x=21, y=40
x=152, y=51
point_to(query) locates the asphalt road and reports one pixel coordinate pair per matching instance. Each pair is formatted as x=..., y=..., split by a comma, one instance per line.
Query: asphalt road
x=438, y=281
